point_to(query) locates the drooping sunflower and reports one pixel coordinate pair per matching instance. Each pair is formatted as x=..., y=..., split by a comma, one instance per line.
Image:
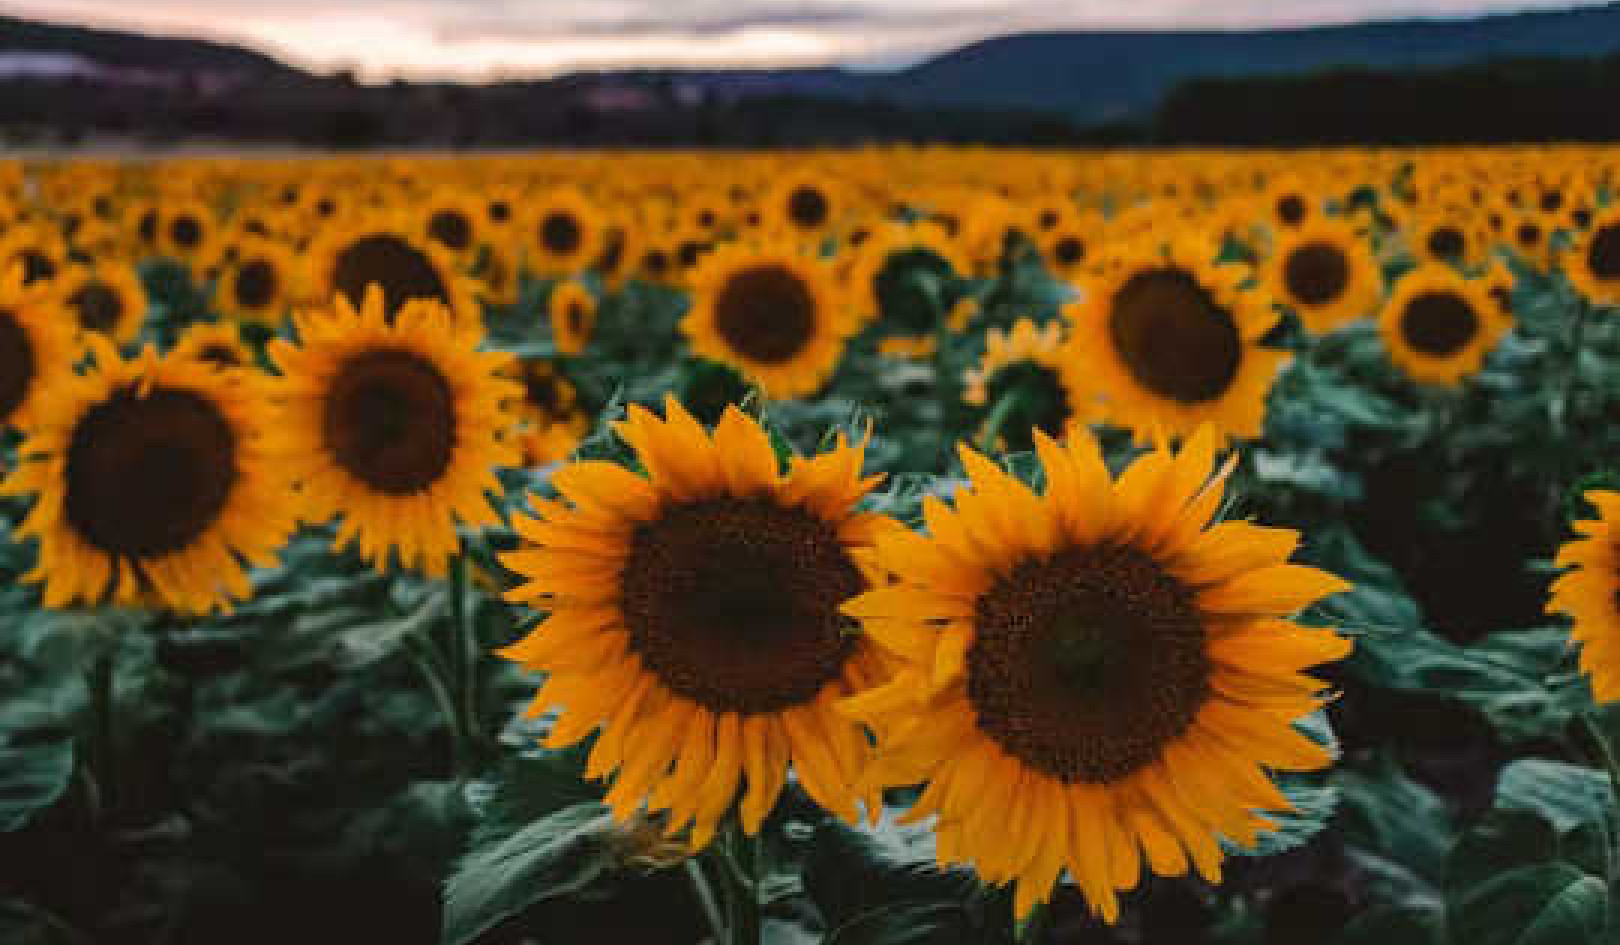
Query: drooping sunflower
x=395, y=425
x=382, y=249
x=770, y=312
x=571, y=312
x=108, y=298
x=565, y=233
x=1028, y=367
x=260, y=284
x=1592, y=265
x=1589, y=594
x=550, y=420
x=154, y=478
x=1325, y=271
x=694, y=616
x=1168, y=342
x=1438, y=326
x=216, y=344
x=1106, y=684
x=37, y=350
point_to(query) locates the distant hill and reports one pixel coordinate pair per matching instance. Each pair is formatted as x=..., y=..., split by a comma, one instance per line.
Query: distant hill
x=132, y=50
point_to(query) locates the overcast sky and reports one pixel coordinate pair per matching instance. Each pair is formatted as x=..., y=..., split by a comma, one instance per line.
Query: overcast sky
x=476, y=39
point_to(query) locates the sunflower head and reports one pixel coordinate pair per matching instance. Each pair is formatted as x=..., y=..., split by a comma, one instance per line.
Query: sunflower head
x=565, y=234
x=153, y=478
x=571, y=311
x=36, y=348
x=1593, y=263
x=377, y=250
x=1588, y=592
x=1439, y=326
x=694, y=617
x=397, y=426
x=259, y=283
x=107, y=298
x=1108, y=683
x=1326, y=273
x=1023, y=382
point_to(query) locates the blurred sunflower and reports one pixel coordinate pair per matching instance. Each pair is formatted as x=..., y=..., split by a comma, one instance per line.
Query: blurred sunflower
x=1593, y=263
x=41, y=253
x=451, y=220
x=154, y=477
x=803, y=205
x=903, y=277
x=1588, y=593
x=565, y=234
x=1326, y=273
x=36, y=348
x=260, y=284
x=772, y=313
x=1438, y=326
x=381, y=249
x=1028, y=370
x=693, y=615
x=1169, y=342
x=571, y=312
x=108, y=298
x=216, y=344
x=1107, y=683
x=395, y=425
x=186, y=230
x=551, y=422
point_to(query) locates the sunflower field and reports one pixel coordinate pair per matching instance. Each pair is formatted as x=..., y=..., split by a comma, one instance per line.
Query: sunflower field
x=880, y=547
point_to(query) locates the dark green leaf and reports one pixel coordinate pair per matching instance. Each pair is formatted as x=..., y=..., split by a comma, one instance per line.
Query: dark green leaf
x=32, y=778
x=1568, y=796
x=906, y=923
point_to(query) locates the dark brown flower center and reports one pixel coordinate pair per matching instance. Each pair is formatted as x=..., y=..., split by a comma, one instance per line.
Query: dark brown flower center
x=1603, y=256
x=1291, y=210
x=808, y=207
x=766, y=313
x=185, y=231
x=97, y=307
x=17, y=364
x=560, y=233
x=256, y=284
x=402, y=271
x=1529, y=235
x=452, y=228
x=1069, y=251
x=575, y=318
x=500, y=211
x=1084, y=665
x=544, y=392
x=1439, y=324
x=149, y=475
x=1173, y=337
x=1446, y=242
x=220, y=355
x=1316, y=274
x=148, y=226
x=390, y=420
x=734, y=603
x=37, y=266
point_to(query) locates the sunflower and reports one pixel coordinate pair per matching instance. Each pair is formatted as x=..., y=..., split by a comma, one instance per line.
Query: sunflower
x=41, y=254
x=1289, y=202
x=1589, y=594
x=694, y=616
x=1168, y=342
x=396, y=425
x=1447, y=238
x=902, y=276
x=381, y=249
x=771, y=313
x=1068, y=246
x=803, y=205
x=1438, y=326
x=452, y=221
x=565, y=234
x=260, y=283
x=1030, y=366
x=36, y=348
x=108, y=298
x=186, y=230
x=1593, y=263
x=216, y=344
x=551, y=423
x=154, y=478
x=1326, y=273
x=571, y=311
x=1104, y=684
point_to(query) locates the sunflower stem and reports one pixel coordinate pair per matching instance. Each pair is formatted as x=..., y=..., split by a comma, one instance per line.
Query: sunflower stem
x=466, y=645
x=740, y=855
x=1569, y=383
x=103, y=750
x=705, y=897
x=1611, y=764
x=433, y=672
x=999, y=414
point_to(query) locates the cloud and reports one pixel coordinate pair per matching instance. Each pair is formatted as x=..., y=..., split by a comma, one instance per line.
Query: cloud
x=473, y=39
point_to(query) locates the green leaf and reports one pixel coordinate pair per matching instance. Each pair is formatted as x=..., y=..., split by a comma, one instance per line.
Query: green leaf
x=906, y=923
x=555, y=857
x=1544, y=904
x=32, y=778
x=1568, y=796
x=366, y=644
x=851, y=870
x=1384, y=811
x=1395, y=925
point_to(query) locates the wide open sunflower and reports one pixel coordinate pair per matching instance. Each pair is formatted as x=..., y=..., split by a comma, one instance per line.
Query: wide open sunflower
x=565, y=234
x=394, y=425
x=1326, y=273
x=1593, y=263
x=770, y=312
x=260, y=283
x=108, y=298
x=693, y=614
x=36, y=348
x=383, y=250
x=1094, y=676
x=155, y=478
x=1589, y=594
x=1169, y=342
x=1438, y=326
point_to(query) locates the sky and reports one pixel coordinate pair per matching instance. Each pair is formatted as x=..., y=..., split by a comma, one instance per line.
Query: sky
x=487, y=39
